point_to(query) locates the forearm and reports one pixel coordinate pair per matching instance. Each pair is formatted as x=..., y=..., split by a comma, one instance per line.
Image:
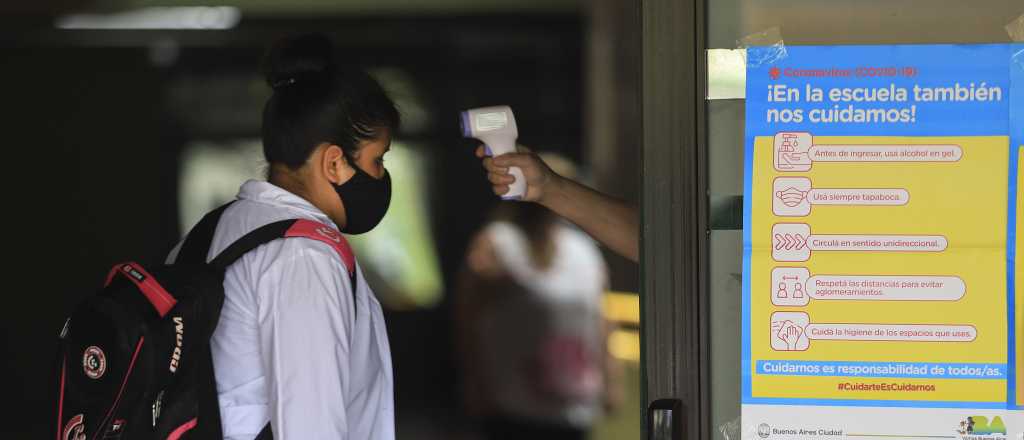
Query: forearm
x=609, y=220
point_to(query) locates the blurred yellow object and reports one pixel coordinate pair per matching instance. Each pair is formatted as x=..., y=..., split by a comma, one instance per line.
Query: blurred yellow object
x=625, y=345
x=622, y=307
x=623, y=310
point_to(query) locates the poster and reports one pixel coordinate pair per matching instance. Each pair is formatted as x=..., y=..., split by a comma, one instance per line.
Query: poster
x=880, y=290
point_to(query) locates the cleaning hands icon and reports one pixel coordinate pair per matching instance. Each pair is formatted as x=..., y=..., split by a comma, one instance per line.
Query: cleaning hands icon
x=791, y=335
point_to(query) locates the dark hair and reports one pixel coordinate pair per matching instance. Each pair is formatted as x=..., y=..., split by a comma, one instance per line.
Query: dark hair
x=316, y=100
x=538, y=224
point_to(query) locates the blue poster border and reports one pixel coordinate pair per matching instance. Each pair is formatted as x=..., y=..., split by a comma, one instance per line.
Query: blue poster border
x=1014, y=55
x=1016, y=142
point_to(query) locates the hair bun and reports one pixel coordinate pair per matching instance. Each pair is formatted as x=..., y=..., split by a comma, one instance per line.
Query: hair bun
x=298, y=60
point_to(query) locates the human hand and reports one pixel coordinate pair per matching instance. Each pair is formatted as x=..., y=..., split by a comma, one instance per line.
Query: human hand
x=539, y=177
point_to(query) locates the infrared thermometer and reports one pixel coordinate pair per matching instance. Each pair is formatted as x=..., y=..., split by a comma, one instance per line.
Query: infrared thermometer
x=496, y=128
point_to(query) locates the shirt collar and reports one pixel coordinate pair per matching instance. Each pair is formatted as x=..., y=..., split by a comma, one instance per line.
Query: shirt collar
x=267, y=193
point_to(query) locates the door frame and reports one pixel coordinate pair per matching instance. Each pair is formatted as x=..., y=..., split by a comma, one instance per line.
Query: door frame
x=674, y=207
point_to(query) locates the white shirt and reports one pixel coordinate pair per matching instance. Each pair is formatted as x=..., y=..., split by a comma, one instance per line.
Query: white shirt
x=559, y=305
x=291, y=347
x=577, y=271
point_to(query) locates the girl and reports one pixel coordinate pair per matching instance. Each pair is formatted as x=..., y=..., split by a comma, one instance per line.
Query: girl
x=300, y=344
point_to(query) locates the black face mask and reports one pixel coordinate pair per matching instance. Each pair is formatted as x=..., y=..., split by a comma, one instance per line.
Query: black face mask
x=366, y=201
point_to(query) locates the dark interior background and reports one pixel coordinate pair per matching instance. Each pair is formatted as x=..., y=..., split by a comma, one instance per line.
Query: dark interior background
x=95, y=122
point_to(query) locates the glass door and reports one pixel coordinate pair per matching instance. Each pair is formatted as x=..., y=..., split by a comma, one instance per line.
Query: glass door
x=789, y=24
x=696, y=312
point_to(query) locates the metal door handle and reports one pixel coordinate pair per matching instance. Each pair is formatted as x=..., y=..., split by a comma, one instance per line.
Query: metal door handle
x=665, y=420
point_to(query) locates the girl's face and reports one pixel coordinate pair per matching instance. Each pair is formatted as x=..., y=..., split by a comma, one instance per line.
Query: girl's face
x=370, y=155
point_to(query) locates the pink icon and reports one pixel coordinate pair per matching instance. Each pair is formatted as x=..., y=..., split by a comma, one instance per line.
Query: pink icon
x=788, y=153
x=788, y=331
x=791, y=196
x=792, y=151
x=790, y=242
x=789, y=286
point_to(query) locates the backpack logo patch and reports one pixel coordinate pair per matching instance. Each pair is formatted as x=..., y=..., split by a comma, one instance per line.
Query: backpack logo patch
x=329, y=234
x=75, y=428
x=132, y=272
x=179, y=330
x=94, y=362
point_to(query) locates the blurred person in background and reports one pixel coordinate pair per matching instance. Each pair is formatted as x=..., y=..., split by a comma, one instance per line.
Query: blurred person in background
x=299, y=343
x=609, y=220
x=530, y=329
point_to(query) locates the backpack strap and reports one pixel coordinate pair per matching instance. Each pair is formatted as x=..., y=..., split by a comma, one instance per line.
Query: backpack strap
x=196, y=247
x=267, y=433
x=209, y=425
x=197, y=244
x=289, y=229
x=195, y=250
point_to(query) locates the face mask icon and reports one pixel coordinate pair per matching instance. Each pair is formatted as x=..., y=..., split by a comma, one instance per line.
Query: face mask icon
x=791, y=196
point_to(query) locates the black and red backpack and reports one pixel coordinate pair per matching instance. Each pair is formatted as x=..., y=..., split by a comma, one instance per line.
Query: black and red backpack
x=134, y=359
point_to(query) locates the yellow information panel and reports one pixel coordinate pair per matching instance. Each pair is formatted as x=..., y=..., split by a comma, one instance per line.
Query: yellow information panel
x=886, y=257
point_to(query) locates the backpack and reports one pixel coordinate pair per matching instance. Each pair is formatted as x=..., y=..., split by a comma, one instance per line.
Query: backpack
x=134, y=359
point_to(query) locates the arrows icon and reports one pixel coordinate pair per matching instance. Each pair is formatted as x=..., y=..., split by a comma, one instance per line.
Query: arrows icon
x=790, y=242
x=794, y=242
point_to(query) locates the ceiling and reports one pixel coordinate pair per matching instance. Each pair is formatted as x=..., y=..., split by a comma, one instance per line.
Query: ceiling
x=303, y=7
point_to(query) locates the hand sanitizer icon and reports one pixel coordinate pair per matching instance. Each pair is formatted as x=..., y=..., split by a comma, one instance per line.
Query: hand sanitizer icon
x=792, y=151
